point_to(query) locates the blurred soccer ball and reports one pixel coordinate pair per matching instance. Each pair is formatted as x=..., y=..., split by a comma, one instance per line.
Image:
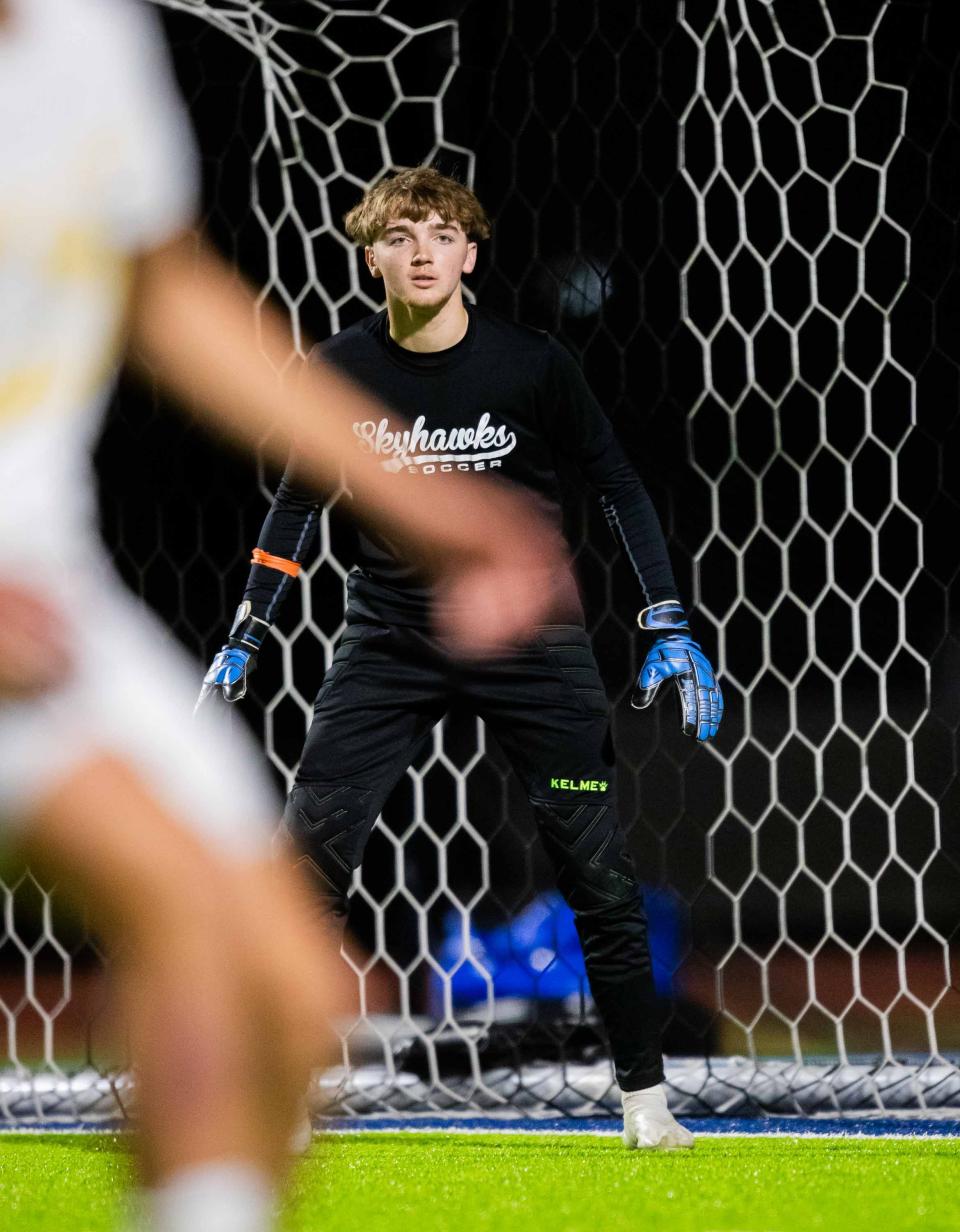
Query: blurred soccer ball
x=582, y=284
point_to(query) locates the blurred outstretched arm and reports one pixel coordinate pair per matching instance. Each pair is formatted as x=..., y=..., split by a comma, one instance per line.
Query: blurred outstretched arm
x=498, y=563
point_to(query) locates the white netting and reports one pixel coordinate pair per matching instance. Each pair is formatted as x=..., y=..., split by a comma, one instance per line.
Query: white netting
x=752, y=278
x=790, y=293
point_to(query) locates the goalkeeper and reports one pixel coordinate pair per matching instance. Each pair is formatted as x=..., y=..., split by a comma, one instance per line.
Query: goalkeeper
x=482, y=395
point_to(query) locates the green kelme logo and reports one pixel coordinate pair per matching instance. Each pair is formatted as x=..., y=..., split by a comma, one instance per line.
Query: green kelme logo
x=578, y=784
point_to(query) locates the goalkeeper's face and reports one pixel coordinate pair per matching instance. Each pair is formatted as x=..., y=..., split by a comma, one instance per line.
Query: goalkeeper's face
x=421, y=263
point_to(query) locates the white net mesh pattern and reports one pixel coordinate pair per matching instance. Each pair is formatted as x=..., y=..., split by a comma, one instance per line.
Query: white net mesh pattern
x=805, y=851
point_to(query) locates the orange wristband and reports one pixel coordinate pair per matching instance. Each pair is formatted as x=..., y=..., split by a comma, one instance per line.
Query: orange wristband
x=274, y=562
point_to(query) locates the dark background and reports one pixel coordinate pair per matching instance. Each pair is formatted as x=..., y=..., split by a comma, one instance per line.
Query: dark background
x=791, y=493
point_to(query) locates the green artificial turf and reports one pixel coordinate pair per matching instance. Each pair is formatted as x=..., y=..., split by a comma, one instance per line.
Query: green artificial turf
x=449, y=1182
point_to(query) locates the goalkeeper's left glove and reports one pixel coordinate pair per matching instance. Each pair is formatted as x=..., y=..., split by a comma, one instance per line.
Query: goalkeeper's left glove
x=676, y=656
x=237, y=659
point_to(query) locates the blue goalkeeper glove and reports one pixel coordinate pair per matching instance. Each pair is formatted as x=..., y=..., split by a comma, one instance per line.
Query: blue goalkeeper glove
x=676, y=656
x=236, y=660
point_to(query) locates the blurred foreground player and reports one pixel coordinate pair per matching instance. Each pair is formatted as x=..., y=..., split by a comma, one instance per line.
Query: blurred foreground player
x=161, y=827
x=482, y=394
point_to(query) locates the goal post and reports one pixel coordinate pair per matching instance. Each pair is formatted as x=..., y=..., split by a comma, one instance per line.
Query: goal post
x=741, y=217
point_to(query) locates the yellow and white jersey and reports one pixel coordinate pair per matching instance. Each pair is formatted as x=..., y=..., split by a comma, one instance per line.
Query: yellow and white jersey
x=97, y=162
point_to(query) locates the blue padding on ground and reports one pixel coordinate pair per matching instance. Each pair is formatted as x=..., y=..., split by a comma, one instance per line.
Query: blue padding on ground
x=879, y=1127
x=787, y=1126
x=101, y=1126
x=846, y=1127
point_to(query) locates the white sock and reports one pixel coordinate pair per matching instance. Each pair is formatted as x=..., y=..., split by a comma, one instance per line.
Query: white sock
x=227, y=1196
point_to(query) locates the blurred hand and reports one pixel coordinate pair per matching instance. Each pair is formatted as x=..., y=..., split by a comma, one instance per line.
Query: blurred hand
x=33, y=650
x=505, y=571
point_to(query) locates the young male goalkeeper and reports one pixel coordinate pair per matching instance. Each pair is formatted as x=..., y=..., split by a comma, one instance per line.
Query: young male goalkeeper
x=479, y=394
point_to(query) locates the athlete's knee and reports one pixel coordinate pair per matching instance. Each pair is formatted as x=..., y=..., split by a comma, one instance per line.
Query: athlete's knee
x=327, y=824
x=594, y=869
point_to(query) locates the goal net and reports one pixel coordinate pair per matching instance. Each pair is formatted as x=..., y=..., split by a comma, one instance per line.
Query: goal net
x=740, y=215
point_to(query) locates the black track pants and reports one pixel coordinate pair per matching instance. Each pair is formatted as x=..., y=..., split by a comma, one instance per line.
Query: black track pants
x=386, y=688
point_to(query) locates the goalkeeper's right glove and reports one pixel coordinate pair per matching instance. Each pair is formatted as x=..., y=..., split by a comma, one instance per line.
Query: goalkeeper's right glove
x=237, y=659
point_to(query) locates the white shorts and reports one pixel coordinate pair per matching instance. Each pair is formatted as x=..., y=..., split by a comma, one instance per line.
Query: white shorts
x=130, y=693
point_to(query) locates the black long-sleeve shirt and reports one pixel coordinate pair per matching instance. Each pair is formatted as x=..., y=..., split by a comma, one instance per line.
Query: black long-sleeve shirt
x=507, y=400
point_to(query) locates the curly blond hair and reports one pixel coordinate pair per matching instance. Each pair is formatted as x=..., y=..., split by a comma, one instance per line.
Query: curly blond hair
x=416, y=193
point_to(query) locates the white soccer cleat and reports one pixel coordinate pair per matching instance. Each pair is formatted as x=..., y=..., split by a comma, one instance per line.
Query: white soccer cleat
x=648, y=1124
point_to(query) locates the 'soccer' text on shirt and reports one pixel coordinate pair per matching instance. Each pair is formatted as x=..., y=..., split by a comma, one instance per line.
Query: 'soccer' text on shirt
x=422, y=451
